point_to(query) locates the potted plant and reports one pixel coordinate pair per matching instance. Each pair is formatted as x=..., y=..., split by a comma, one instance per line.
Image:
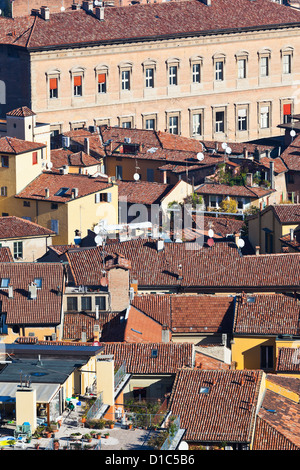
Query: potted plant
x=75, y=436
x=56, y=444
x=37, y=446
x=106, y=435
x=88, y=437
x=110, y=424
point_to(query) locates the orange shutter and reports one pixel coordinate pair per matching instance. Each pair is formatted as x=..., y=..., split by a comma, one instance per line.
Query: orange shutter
x=53, y=83
x=77, y=81
x=101, y=78
x=287, y=109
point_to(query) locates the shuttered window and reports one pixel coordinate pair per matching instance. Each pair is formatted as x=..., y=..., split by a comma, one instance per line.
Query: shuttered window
x=78, y=85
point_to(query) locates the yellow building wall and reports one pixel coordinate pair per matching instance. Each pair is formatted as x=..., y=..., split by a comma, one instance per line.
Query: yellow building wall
x=283, y=391
x=130, y=166
x=246, y=351
x=39, y=332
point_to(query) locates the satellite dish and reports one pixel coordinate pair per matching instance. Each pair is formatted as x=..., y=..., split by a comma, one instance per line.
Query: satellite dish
x=49, y=165
x=292, y=133
x=210, y=233
x=241, y=243
x=96, y=229
x=98, y=240
x=228, y=150
x=200, y=156
x=62, y=9
x=183, y=446
x=224, y=145
x=136, y=176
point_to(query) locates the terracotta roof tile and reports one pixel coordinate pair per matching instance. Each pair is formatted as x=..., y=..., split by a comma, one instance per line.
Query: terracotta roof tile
x=16, y=227
x=46, y=308
x=291, y=155
x=61, y=157
x=221, y=226
x=226, y=190
x=17, y=146
x=140, y=328
x=225, y=413
x=76, y=323
x=268, y=314
x=142, y=192
x=284, y=382
x=144, y=21
x=287, y=213
x=23, y=111
x=54, y=182
x=5, y=255
x=288, y=360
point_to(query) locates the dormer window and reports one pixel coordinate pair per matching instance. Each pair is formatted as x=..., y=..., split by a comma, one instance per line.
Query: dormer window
x=62, y=191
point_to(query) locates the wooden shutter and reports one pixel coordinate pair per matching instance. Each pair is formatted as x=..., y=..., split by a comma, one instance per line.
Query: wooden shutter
x=287, y=109
x=77, y=80
x=101, y=78
x=53, y=83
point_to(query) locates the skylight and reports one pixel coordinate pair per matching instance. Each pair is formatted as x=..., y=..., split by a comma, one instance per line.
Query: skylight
x=5, y=282
x=38, y=281
x=62, y=191
x=204, y=390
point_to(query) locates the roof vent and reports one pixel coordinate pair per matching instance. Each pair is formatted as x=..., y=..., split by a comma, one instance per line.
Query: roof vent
x=32, y=291
x=10, y=292
x=87, y=5
x=45, y=13
x=99, y=11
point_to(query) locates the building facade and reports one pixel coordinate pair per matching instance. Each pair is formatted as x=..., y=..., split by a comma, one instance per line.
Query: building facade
x=144, y=67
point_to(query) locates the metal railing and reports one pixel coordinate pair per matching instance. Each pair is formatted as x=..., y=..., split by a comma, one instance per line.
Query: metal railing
x=119, y=375
x=95, y=408
x=173, y=429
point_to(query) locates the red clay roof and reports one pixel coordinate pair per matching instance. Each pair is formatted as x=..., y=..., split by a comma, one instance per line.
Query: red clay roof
x=5, y=255
x=16, y=227
x=267, y=314
x=54, y=182
x=189, y=313
x=287, y=213
x=144, y=21
x=267, y=437
x=140, y=328
x=282, y=415
x=291, y=155
x=142, y=192
x=61, y=157
x=76, y=323
x=221, y=226
x=17, y=146
x=46, y=308
x=139, y=359
x=23, y=111
x=284, y=382
x=225, y=413
x=288, y=360
x=226, y=190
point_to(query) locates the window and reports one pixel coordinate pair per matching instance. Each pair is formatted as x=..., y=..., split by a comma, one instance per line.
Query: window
x=220, y=121
x=242, y=120
x=3, y=190
x=173, y=75
x=26, y=203
x=72, y=303
x=18, y=250
x=102, y=79
x=54, y=205
x=53, y=88
x=266, y=357
x=125, y=80
x=269, y=241
x=5, y=282
x=86, y=303
x=149, y=77
x=54, y=225
x=264, y=66
x=197, y=128
x=214, y=201
x=150, y=124
x=150, y=174
x=173, y=124
x=101, y=302
x=77, y=81
x=34, y=158
x=119, y=172
x=219, y=71
x=242, y=68
x=264, y=117
x=62, y=191
x=196, y=69
x=4, y=161
x=287, y=64
x=126, y=124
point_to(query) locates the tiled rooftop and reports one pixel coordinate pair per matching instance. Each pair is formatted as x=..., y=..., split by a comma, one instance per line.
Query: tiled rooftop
x=287, y=213
x=5, y=255
x=268, y=314
x=288, y=360
x=16, y=146
x=157, y=21
x=54, y=182
x=267, y=437
x=291, y=155
x=23, y=111
x=221, y=226
x=225, y=413
x=21, y=310
x=61, y=157
x=16, y=227
x=142, y=192
x=226, y=190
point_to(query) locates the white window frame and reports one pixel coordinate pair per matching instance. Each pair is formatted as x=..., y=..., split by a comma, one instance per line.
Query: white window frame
x=242, y=119
x=265, y=116
x=173, y=75
x=220, y=124
x=173, y=124
x=149, y=77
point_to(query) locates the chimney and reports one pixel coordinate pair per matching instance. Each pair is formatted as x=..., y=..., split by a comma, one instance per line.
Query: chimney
x=87, y=145
x=96, y=332
x=257, y=250
x=75, y=6
x=165, y=176
x=10, y=292
x=74, y=193
x=47, y=193
x=206, y=2
x=45, y=13
x=292, y=234
x=87, y=6
x=160, y=245
x=97, y=313
x=165, y=334
x=32, y=291
x=99, y=13
x=245, y=151
x=272, y=180
x=236, y=238
x=83, y=336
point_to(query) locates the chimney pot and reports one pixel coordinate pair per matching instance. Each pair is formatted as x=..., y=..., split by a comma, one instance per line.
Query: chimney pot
x=45, y=13
x=100, y=13
x=257, y=250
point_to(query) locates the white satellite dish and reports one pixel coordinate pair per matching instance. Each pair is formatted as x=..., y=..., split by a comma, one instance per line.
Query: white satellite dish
x=183, y=446
x=210, y=233
x=224, y=145
x=241, y=243
x=292, y=133
x=228, y=150
x=49, y=165
x=98, y=240
x=62, y=8
x=200, y=156
x=136, y=176
x=96, y=229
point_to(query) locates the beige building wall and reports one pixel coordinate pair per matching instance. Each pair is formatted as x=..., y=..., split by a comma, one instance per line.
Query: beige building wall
x=114, y=107
x=26, y=407
x=33, y=248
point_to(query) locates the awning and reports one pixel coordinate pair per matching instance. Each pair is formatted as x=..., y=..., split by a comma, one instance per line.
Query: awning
x=44, y=392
